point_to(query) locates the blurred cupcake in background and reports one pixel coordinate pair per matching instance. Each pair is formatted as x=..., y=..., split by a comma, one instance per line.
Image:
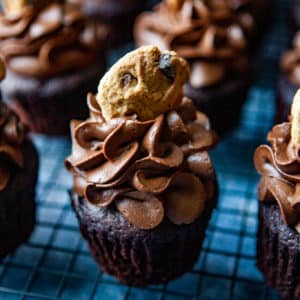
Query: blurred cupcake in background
x=144, y=184
x=54, y=56
x=18, y=176
x=216, y=38
x=289, y=80
x=118, y=15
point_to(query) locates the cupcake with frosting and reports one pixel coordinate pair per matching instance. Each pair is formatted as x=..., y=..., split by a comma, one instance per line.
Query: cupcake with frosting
x=118, y=15
x=54, y=56
x=18, y=176
x=144, y=184
x=215, y=37
x=279, y=215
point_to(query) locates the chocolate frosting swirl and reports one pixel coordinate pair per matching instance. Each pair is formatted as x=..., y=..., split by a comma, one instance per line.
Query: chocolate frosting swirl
x=54, y=39
x=212, y=35
x=279, y=166
x=146, y=169
x=12, y=134
x=290, y=61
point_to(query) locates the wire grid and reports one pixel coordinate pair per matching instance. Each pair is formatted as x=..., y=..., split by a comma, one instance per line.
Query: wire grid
x=56, y=264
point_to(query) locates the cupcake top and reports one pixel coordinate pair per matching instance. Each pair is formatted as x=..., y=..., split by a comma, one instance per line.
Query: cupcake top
x=290, y=61
x=12, y=135
x=47, y=38
x=279, y=166
x=143, y=151
x=212, y=35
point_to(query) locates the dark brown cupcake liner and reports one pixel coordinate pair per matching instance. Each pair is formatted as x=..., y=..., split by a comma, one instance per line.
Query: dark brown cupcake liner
x=278, y=252
x=223, y=102
x=50, y=112
x=50, y=116
x=17, y=209
x=140, y=257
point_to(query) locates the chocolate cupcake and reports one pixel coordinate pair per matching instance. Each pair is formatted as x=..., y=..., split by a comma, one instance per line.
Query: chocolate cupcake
x=278, y=250
x=214, y=36
x=289, y=80
x=18, y=175
x=144, y=185
x=54, y=56
x=118, y=15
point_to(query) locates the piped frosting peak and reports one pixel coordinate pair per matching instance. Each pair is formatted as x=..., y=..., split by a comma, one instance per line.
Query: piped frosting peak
x=279, y=166
x=144, y=149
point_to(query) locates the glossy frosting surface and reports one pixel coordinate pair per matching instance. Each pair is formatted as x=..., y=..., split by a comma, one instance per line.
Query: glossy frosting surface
x=146, y=169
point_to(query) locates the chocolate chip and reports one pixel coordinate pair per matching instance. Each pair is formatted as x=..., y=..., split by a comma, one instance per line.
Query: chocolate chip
x=127, y=78
x=166, y=67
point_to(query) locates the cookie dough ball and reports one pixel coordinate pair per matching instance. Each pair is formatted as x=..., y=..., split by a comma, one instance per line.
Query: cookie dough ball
x=145, y=82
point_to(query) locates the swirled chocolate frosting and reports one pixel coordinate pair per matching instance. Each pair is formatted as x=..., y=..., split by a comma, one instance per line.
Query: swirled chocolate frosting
x=290, y=61
x=212, y=35
x=12, y=134
x=145, y=169
x=279, y=166
x=49, y=40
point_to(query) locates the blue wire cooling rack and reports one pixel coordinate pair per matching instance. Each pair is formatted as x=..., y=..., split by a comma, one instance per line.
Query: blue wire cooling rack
x=56, y=264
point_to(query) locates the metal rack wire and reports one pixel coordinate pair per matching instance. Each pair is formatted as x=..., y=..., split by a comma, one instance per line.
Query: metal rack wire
x=56, y=264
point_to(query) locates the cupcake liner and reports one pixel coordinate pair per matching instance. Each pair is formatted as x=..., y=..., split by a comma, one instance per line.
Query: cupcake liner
x=49, y=109
x=223, y=102
x=139, y=257
x=51, y=116
x=278, y=252
x=17, y=209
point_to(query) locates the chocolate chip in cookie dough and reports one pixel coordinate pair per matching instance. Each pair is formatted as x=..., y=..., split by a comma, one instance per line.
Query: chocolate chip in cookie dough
x=166, y=67
x=127, y=78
